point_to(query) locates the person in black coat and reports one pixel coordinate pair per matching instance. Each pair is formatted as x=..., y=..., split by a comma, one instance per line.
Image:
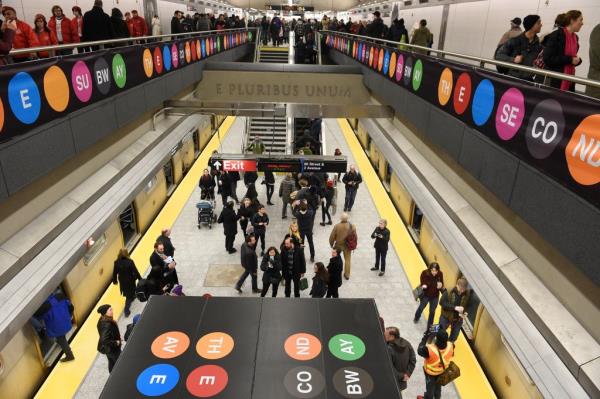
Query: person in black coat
x=252, y=194
x=293, y=266
x=270, y=183
x=245, y=214
x=335, y=268
x=96, y=24
x=271, y=267
x=351, y=180
x=304, y=216
x=234, y=177
x=161, y=262
x=229, y=220
x=165, y=239
x=118, y=25
x=250, y=178
x=555, y=57
x=326, y=201
x=207, y=186
x=320, y=280
x=249, y=262
x=109, y=342
x=127, y=275
x=381, y=234
x=224, y=181
x=176, y=25
x=260, y=221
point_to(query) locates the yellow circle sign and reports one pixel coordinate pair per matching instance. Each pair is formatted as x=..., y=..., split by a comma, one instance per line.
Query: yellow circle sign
x=445, y=86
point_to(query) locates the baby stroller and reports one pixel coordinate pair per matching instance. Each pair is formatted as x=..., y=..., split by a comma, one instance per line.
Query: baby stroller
x=206, y=213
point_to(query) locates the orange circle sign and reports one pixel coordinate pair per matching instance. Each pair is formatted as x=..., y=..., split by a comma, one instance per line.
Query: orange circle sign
x=583, y=151
x=56, y=88
x=445, y=86
x=302, y=346
x=188, y=52
x=148, y=63
x=170, y=344
x=215, y=345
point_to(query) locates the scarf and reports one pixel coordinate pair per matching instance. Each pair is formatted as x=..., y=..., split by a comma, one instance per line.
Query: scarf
x=571, y=51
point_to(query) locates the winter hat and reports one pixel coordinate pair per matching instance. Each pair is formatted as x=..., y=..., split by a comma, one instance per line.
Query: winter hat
x=516, y=21
x=529, y=21
x=377, y=14
x=441, y=339
x=136, y=318
x=103, y=309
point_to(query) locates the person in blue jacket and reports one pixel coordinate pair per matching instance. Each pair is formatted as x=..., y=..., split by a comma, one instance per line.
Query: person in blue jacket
x=56, y=313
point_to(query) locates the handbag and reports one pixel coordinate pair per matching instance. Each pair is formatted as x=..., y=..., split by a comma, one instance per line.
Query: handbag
x=303, y=283
x=450, y=373
x=418, y=292
x=539, y=61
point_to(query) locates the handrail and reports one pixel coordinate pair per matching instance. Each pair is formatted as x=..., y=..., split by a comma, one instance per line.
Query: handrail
x=257, y=44
x=319, y=48
x=116, y=41
x=482, y=61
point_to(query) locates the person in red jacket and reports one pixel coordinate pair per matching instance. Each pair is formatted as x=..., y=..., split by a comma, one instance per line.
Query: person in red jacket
x=77, y=24
x=7, y=34
x=45, y=35
x=62, y=28
x=129, y=23
x=24, y=35
x=140, y=27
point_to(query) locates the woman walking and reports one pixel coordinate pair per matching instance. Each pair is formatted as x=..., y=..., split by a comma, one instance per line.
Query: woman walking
x=320, y=280
x=127, y=274
x=109, y=342
x=271, y=267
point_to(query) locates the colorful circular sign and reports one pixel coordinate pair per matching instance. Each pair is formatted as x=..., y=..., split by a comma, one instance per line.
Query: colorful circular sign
x=157, y=380
x=182, y=54
x=198, y=50
x=583, y=151
x=408, y=69
x=102, y=76
x=1, y=115
x=353, y=382
x=167, y=58
x=386, y=62
x=207, y=381
x=347, y=347
x=188, y=53
x=302, y=346
x=215, y=345
x=81, y=80
x=56, y=87
x=170, y=344
x=380, y=60
x=545, y=129
x=483, y=102
x=119, y=71
x=174, y=56
x=148, y=63
x=203, y=47
x=510, y=113
x=392, y=66
x=158, y=61
x=417, y=75
x=400, y=68
x=462, y=93
x=304, y=382
x=445, y=86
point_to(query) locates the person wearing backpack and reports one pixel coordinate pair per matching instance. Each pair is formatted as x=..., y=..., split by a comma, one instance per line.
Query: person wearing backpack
x=344, y=239
x=130, y=326
x=352, y=180
x=523, y=49
x=438, y=353
x=127, y=275
x=381, y=234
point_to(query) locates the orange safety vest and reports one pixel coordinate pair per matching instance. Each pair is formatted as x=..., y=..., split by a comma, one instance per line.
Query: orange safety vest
x=433, y=365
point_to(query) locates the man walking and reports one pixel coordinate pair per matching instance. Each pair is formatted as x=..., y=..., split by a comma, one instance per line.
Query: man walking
x=381, y=234
x=523, y=49
x=401, y=354
x=338, y=240
x=335, y=268
x=286, y=188
x=351, y=180
x=249, y=263
x=293, y=266
x=57, y=314
x=304, y=216
x=260, y=221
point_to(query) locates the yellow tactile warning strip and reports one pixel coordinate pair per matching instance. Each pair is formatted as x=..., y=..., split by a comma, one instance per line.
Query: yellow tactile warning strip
x=269, y=48
x=65, y=378
x=472, y=383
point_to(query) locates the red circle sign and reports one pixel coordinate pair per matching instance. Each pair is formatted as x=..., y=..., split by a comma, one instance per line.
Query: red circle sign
x=207, y=381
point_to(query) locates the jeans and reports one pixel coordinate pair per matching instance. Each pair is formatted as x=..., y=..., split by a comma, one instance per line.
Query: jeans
x=432, y=389
x=288, y=286
x=260, y=235
x=332, y=292
x=265, y=288
x=325, y=211
x=380, y=254
x=433, y=302
x=311, y=245
x=128, y=302
x=243, y=278
x=64, y=345
x=229, y=240
x=270, y=191
x=455, y=327
x=112, y=359
x=350, y=196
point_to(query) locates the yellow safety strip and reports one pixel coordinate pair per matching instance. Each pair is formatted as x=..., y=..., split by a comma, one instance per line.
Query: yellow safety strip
x=472, y=383
x=269, y=48
x=65, y=378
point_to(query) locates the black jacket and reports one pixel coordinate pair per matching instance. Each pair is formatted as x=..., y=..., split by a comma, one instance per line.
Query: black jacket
x=271, y=268
x=335, y=268
x=298, y=265
x=328, y=195
x=246, y=212
x=127, y=274
x=250, y=177
x=269, y=177
x=309, y=194
x=207, y=183
x=96, y=25
x=376, y=28
x=319, y=287
x=229, y=220
x=554, y=53
x=110, y=338
x=224, y=184
x=258, y=218
x=350, y=177
x=166, y=242
x=305, y=220
x=396, y=32
x=520, y=45
x=381, y=242
x=403, y=359
x=248, y=258
x=176, y=26
x=119, y=28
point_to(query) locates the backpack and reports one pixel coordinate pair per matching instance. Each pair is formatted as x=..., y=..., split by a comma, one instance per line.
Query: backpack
x=141, y=290
x=351, y=239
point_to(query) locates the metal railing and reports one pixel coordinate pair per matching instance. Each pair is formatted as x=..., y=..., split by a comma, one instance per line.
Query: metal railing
x=319, y=57
x=129, y=40
x=482, y=61
x=257, y=44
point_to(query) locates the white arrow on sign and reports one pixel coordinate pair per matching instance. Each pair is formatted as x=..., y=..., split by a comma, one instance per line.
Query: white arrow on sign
x=217, y=165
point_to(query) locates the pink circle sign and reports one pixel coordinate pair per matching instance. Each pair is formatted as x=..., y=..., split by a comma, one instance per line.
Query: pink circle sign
x=400, y=68
x=174, y=56
x=510, y=113
x=81, y=79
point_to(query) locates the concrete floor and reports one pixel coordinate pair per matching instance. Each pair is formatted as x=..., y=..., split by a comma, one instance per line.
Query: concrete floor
x=197, y=249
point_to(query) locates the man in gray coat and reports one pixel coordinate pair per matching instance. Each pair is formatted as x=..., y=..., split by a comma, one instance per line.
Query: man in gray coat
x=286, y=187
x=402, y=356
x=594, y=72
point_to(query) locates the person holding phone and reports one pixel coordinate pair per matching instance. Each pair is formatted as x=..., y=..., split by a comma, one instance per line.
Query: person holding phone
x=454, y=304
x=432, y=283
x=24, y=37
x=271, y=267
x=381, y=234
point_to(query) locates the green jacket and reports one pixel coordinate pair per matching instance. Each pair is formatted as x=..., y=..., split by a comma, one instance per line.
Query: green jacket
x=452, y=299
x=422, y=37
x=257, y=147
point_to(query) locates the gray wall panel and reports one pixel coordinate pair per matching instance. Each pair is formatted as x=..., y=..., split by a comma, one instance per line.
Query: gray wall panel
x=154, y=91
x=3, y=188
x=446, y=131
x=564, y=220
x=491, y=165
x=130, y=105
x=30, y=158
x=103, y=119
x=175, y=82
x=417, y=112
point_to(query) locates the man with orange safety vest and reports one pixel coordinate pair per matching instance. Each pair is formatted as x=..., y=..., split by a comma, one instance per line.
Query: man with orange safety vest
x=438, y=352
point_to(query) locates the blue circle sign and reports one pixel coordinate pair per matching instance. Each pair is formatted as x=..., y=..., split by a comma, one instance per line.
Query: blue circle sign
x=24, y=98
x=483, y=102
x=157, y=380
x=167, y=58
x=386, y=62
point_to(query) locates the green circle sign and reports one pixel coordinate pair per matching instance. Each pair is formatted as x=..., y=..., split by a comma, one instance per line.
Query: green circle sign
x=417, y=76
x=219, y=43
x=347, y=347
x=119, y=71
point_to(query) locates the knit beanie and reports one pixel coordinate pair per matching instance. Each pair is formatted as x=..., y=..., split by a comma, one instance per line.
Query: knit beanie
x=529, y=21
x=103, y=309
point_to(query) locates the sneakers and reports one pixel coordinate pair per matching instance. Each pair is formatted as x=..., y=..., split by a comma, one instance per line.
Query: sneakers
x=67, y=359
x=415, y=321
x=238, y=289
x=345, y=209
x=232, y=250
x=374, y=268
x=270, y=203
x=256, y=291
x=127, y=313
x=381, y=274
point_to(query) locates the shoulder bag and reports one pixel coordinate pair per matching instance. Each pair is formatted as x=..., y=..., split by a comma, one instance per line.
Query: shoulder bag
x=450, y=373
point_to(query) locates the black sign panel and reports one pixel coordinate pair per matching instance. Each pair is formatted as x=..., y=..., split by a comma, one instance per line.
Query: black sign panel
x=284, y=163
x=253, y=348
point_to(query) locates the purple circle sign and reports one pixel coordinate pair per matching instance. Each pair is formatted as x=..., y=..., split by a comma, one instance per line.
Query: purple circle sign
x=510, y=113
x=400, y=68
x=81, y=79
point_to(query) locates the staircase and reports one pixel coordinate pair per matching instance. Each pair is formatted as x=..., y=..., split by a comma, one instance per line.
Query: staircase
x=279, y=55
x=272, y=132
